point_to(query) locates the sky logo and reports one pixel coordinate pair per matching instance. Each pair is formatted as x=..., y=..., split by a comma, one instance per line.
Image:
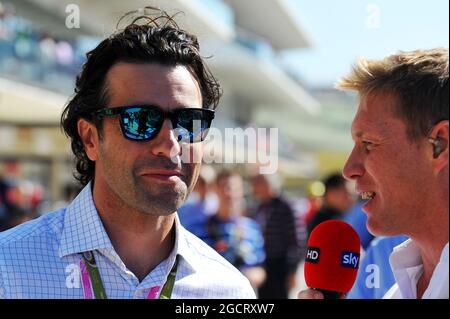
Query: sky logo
x=350, y=260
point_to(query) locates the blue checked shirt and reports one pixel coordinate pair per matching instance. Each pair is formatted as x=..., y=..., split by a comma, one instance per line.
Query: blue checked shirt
x=41, y=258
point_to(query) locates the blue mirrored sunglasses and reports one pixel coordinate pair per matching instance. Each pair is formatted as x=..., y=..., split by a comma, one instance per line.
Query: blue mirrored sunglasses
x=143, y=122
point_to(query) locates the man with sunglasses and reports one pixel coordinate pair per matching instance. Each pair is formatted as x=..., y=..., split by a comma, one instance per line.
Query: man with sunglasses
x=143, y=104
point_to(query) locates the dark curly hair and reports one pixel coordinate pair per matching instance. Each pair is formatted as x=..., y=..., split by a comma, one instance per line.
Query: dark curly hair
x=157, y=40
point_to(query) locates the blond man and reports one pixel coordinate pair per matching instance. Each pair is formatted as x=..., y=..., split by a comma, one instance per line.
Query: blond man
x=400, y=164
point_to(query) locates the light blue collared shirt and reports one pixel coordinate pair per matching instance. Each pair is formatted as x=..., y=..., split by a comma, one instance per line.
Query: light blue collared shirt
x=41, y=259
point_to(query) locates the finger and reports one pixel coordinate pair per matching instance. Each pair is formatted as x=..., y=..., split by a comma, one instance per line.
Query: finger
x=310, y=294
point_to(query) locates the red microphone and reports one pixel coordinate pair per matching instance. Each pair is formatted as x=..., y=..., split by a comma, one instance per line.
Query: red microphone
x=332, y=258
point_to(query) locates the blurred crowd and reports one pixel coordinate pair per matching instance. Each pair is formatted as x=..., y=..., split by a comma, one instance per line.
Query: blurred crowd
x=251, y=224
x=23, y=199
x=37, y=56
x=19, y=199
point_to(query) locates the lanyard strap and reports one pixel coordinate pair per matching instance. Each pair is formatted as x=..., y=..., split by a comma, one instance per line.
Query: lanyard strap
x=94, y=275
x=97, y=284
x=167, y=289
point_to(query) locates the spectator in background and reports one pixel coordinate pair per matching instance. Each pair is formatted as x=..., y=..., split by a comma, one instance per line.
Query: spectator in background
x=337, y=200
x=3, y=191
x=375, y=276
x=282, y=244
x=71, y=191
x=237, y=238
x=17, y=205
x=358, y=220
x=202, y=203
x=18, y=215
x=315, y=192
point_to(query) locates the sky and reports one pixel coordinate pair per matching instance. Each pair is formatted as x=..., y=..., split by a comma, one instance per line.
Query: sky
x=341, y=31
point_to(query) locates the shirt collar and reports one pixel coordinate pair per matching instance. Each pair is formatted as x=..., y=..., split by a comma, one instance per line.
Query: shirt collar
x=83, y=229
x=182, y=246
x=405, y=255
x=407, y=266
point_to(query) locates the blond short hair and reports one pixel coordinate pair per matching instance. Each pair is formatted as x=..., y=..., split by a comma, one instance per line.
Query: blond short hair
x=418, y=79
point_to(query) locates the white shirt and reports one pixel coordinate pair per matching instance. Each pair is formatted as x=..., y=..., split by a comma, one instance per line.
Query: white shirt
x=41, y=259
x=407, y=266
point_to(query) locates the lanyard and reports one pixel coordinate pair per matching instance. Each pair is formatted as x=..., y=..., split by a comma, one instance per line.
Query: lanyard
x=92, y=282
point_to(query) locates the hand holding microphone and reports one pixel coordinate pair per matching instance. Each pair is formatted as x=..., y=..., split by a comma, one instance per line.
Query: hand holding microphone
x=332, y=261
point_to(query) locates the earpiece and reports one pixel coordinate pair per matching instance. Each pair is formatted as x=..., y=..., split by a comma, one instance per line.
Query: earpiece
x=438, y=146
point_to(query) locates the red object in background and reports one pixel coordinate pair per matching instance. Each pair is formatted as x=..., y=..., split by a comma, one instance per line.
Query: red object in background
x=36, y=197
x=14, y=196
x=313, y=207
x=12, y=168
